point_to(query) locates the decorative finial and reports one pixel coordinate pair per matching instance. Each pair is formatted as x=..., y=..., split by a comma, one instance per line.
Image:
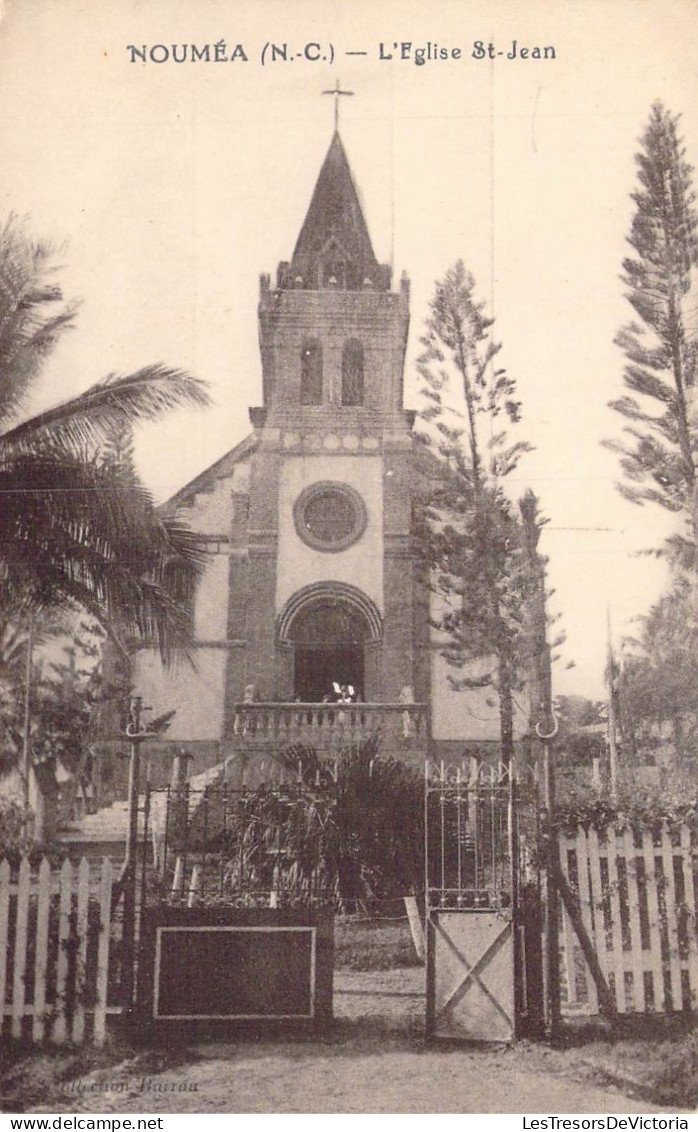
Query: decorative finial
x=336, y=91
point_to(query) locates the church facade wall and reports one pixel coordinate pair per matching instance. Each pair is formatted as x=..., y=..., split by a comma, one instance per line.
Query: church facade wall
x=360, y=564
x=195, y=689
x=211, y=605
x=208, y=511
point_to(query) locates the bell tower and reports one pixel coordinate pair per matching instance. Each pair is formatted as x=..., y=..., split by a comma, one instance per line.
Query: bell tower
x=332, y=333
x=331, y=594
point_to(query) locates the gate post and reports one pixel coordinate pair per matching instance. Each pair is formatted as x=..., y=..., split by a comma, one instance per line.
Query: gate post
x=128, y=933
x=552, y=870
x=517, y=942
x=542, y=685
x=136, y=734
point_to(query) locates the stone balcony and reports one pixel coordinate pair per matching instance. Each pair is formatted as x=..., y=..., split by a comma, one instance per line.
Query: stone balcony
x=263, y=727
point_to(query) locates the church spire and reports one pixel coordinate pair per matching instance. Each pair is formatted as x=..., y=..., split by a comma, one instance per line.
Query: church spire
x=334, y=248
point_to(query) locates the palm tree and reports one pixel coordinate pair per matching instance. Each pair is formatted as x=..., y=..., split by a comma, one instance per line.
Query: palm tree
x=77, y=529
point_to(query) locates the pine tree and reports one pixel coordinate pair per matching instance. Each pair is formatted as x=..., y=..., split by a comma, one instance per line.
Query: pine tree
x=659, y=458
x=660, y=676
x=469, y=530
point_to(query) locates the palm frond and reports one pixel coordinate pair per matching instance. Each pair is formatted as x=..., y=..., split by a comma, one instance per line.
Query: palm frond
x=33, y=313
x=91, y=417
x=78, y=532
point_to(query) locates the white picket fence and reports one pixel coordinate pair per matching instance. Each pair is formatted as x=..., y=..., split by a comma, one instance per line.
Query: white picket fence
x=54, y=951
x=637, y=895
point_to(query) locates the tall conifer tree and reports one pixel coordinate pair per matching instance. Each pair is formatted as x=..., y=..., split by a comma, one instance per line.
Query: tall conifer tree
x=659, y=457
x=470, y=531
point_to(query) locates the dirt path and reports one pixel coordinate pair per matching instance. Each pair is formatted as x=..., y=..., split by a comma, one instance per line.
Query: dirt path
x=374, y=1062
x=386, y=1080
x=379, y=1075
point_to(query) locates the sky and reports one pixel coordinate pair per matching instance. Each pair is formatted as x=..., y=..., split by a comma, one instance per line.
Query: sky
x=169, y=187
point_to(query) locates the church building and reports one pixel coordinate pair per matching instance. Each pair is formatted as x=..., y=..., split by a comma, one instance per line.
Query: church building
x=311, y=622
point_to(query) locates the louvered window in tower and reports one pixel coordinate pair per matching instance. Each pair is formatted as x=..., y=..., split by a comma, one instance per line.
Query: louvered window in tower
x=311, y=372
x=353, y=373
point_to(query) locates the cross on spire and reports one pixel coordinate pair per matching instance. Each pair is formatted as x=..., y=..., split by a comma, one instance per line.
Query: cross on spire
x=335, y=91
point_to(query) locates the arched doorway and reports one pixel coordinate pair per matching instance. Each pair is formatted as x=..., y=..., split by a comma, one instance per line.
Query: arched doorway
x=328, y=649
x=331, y=633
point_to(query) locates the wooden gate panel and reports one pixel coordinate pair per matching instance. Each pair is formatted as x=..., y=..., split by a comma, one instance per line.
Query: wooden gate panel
x=470, y=976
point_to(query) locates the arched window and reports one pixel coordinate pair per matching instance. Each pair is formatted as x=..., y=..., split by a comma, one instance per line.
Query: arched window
x=353, y=373
x=311, y=372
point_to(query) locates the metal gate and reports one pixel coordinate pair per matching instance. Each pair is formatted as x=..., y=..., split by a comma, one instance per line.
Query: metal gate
x=471, y=874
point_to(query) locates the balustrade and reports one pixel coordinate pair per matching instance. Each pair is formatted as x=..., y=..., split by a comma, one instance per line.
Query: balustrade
x=328, y=726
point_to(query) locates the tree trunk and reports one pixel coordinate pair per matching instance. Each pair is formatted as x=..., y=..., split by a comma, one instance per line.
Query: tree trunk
x=506, y=707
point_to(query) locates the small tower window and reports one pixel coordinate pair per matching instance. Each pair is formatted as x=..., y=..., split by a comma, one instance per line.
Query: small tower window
x=353, y=373
x=311, y=372
x=334, y=273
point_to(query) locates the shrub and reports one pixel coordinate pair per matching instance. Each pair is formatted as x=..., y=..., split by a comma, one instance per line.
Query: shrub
x=345, y=831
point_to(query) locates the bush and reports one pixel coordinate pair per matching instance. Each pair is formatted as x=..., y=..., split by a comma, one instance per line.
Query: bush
x=633, y=807
x=15, y=840
x=347, y=832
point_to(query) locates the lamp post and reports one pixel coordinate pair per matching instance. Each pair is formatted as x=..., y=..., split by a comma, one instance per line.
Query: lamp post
x=136, y=734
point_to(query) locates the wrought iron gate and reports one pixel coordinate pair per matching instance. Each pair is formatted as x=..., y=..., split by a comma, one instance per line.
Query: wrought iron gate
x=471, y=899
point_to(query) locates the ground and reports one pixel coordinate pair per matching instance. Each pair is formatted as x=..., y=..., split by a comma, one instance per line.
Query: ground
x=374, y=1060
